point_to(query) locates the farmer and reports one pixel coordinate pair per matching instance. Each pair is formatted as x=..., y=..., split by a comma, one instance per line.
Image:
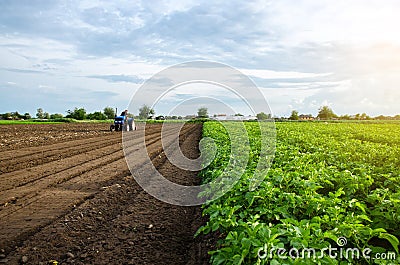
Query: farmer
x=131, y=124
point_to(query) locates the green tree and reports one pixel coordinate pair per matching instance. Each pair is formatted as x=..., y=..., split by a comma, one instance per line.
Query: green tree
x=364, y=116
x=345, y=117
x=294, y=116
x=27, y=116
x=262, y=116
x=56, y=116
x=98, y=115
x=202, y=112
x=109, y=112
x=77, y=113
x=16, y=116
x=326, y=113
x=145, y=112
x=40, y=113
x=6, y=116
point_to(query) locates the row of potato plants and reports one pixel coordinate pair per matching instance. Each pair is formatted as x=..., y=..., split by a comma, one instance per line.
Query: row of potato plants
x=328, y=181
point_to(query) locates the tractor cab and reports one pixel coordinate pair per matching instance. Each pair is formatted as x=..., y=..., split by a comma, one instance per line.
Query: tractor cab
x=122, y=122
x=119, y=123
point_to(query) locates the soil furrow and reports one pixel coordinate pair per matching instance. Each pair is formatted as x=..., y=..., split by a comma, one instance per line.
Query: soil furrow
x=89, y=205
x=25, y=196
x=23, y=177
x=29, y=157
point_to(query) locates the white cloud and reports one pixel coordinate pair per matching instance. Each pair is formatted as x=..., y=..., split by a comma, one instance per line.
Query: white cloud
x=270, y=74
x=351, y=22
x=303, y=54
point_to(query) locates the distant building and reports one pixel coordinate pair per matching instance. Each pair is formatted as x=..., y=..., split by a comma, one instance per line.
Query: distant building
x=188, y=117
x=306, y=117
x=225, y=117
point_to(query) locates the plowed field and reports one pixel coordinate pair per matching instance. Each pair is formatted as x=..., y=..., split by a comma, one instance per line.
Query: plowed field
x=66, y=194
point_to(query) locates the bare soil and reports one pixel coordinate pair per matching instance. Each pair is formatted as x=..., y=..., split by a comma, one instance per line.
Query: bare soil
x=66, y=194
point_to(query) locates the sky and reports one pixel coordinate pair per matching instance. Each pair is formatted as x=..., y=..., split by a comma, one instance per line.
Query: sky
x=303, y=54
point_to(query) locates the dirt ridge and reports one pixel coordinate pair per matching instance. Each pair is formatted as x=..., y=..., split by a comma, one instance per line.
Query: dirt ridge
x=94, y=212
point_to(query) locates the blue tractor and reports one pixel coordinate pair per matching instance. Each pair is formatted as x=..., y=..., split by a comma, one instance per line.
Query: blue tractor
x=122, y=122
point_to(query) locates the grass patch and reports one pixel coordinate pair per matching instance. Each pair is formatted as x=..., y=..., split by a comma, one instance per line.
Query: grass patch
x=51, y=121
x=16, y=122
x=95, y=121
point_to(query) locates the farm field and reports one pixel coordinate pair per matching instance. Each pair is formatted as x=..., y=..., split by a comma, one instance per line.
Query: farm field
x=18, y=136
x=331, y=184
x=66, y=194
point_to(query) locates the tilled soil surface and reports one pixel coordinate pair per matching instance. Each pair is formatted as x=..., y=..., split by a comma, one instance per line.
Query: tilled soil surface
x=26, y=135
x=75, y=201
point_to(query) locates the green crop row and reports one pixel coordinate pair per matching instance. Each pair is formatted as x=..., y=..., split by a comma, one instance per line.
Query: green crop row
x=328, y=182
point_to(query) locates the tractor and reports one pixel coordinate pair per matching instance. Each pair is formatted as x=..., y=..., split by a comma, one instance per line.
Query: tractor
x=122, y=122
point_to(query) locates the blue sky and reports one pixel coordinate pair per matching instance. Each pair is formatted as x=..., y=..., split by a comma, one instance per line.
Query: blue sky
x=302, y=54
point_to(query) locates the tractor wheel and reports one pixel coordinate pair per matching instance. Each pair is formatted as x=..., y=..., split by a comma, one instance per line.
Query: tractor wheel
x=112, y=127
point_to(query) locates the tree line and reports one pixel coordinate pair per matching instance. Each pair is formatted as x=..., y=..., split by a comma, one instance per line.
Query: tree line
x=76, y=113
x=146, y=112
x=326, y=113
